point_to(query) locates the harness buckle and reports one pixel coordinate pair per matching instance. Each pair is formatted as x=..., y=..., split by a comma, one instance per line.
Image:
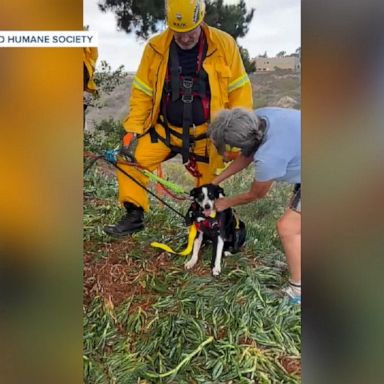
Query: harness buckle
x=187, y=99
x=188, y=82
x=187, y=96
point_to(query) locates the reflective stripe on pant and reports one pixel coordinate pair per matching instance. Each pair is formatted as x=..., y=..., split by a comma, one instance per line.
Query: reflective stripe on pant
x=150, y=155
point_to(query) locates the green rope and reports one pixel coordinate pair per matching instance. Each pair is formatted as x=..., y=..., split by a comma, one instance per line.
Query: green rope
x=173, y=187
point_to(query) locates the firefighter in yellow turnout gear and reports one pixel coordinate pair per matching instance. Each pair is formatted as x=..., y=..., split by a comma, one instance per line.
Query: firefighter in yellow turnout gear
x=187, y=74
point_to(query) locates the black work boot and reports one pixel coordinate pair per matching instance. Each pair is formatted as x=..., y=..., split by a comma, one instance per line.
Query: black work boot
x=132, y=221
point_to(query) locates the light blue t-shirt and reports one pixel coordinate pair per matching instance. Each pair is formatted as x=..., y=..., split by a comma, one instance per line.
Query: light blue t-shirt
x=279, y=156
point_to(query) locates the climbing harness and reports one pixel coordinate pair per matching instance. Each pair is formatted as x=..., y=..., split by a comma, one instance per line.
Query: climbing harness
x=186, y=88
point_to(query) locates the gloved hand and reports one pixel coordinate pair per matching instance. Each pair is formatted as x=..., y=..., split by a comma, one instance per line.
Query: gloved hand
x=128, y=148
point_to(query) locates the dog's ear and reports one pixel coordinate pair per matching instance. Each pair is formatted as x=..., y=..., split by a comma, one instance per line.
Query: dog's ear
x=193, y=193
x=219, y=192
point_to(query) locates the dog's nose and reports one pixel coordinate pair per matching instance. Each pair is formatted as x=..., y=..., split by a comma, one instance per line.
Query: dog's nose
x=207, y=206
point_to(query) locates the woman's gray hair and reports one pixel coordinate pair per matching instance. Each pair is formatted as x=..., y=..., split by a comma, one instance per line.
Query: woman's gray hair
x=239, y=128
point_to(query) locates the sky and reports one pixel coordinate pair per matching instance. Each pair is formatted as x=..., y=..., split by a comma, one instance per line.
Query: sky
x=275, y=27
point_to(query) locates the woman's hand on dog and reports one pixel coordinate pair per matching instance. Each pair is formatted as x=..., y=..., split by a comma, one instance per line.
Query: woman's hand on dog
x=222, y=204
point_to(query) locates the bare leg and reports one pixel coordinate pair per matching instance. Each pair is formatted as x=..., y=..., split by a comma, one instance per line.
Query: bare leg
x=289, y=229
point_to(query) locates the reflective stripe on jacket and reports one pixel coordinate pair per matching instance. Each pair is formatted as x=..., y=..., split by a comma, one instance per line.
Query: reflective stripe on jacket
x=229, y=83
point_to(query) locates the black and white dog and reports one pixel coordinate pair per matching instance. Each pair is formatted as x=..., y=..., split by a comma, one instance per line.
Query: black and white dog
x=224, y=229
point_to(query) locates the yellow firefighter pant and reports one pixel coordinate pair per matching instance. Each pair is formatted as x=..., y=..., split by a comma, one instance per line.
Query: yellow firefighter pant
x=150, y=155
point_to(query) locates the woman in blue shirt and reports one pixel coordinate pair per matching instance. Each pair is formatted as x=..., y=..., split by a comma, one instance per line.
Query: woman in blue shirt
x=270, y=138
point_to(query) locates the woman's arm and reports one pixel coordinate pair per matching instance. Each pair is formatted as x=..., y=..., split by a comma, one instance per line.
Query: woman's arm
x=236, y=166
x=258, y=190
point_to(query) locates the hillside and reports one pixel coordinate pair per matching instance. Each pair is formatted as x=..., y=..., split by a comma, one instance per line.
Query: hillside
x=269, y=89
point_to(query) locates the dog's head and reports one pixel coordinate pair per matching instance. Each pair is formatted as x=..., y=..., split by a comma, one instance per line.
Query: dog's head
x=205, y=197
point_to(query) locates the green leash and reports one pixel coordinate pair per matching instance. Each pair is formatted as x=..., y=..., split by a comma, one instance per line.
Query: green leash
x=173, y=187
x=111, y=156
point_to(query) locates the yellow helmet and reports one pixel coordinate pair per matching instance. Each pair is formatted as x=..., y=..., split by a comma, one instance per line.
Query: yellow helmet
x=184, y=15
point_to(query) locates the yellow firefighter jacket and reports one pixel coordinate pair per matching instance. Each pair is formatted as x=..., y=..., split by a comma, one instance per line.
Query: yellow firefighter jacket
x=90, y=55
x=228, y=81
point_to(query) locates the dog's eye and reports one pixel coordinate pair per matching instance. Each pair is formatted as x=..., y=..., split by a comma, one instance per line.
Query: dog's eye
x=211, y=196
x=200, y=197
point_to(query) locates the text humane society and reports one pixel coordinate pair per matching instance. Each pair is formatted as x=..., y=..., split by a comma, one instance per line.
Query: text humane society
x=45, y=39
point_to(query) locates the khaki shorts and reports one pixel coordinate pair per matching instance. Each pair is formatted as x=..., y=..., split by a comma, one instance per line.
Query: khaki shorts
x=295, y=202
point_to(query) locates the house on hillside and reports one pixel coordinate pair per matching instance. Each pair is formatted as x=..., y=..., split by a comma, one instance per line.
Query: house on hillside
x=271, y=63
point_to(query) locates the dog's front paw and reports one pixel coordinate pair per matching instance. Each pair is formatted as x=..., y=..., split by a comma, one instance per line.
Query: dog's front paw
x=190, y=264
x=216, y=271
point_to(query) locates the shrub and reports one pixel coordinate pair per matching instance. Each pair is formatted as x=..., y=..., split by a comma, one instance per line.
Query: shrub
x=106, y=135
